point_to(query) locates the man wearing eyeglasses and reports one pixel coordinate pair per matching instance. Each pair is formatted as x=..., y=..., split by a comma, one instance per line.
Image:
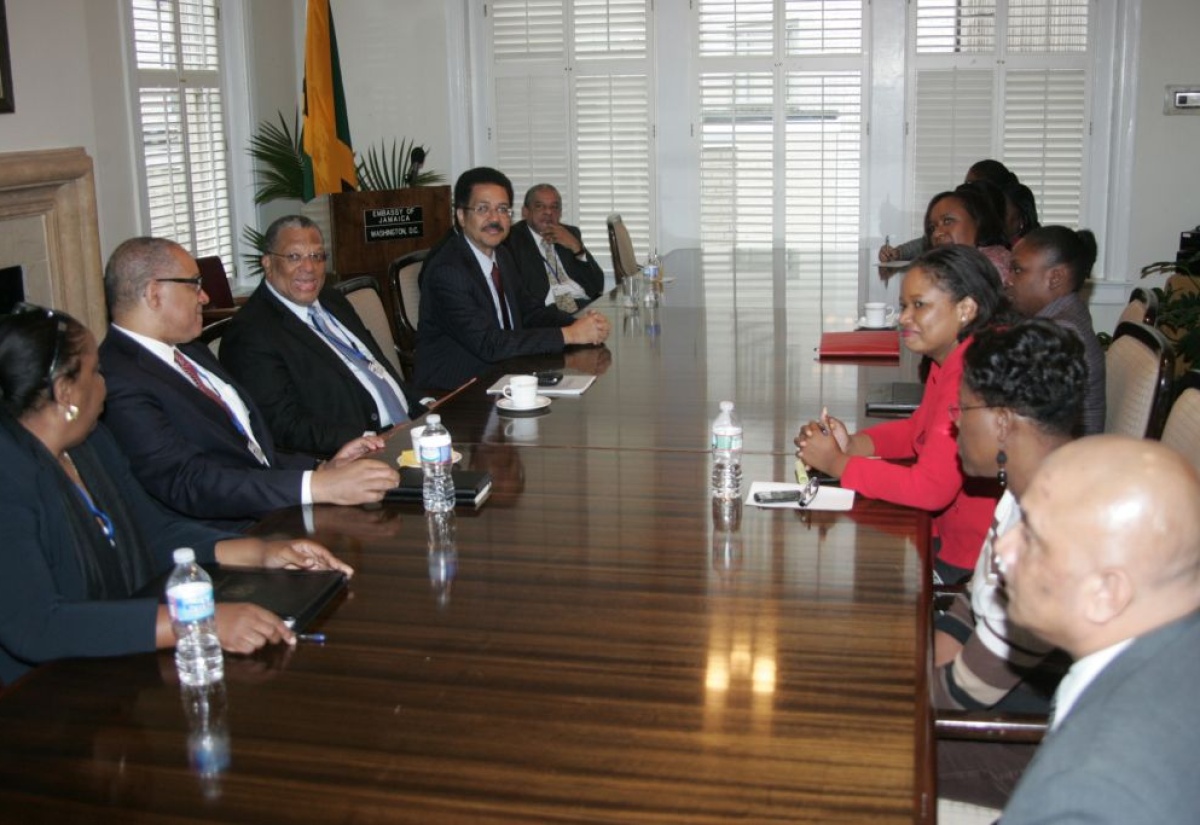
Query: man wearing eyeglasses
x=472, y=311
x=552, y=262
x=195, y=439
x=305, y=356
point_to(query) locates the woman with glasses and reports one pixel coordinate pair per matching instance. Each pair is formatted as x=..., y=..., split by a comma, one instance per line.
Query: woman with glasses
x=81, y=536
x=948, y=294
x=1021, y=391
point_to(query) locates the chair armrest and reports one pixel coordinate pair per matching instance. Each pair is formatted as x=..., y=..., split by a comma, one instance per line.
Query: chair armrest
x=990, y=726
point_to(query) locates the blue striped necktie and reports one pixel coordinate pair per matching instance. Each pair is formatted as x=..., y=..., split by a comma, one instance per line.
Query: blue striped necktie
x=369, y=367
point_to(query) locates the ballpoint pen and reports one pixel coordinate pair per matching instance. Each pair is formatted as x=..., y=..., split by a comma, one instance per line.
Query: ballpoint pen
x=315, y=638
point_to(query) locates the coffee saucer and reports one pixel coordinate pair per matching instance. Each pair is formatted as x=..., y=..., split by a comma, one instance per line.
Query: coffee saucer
x=862, y=324
x=408, y=458
x=506, y=405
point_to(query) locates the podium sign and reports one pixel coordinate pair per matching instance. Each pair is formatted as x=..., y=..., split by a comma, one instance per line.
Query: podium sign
x=369, y=230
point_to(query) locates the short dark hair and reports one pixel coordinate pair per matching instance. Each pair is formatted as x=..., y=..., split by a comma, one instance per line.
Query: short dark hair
x=538, y=187
x=471, y=178
x=992, y=170
x=989, y=230
x=1036, y=368
x=29, y=341
x=288, y=222
x=1076, y=249
x=964, y=272
x=131, y=267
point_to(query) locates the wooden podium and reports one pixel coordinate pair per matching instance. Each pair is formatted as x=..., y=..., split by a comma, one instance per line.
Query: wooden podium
x=369, y=230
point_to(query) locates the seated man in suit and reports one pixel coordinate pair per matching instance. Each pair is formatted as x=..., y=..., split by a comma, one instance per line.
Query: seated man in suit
x=304, y=355
x=472, y=312
x=195, y=440
x=1105, y=564
x=552, y=262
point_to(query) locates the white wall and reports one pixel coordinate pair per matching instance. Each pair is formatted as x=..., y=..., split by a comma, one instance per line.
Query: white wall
x=1166, y=170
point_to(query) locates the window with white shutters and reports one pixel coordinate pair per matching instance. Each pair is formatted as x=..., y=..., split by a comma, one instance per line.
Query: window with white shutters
x=571, y=96
x=182, y=123
x=781, y=130
x=1005, y=79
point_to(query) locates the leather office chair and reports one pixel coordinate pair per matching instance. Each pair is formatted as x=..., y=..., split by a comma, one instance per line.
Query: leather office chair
x=1182, y=430
x=404, y=276
x=1142, y=307
x=621, y=247
x=211, y=334
x=215, y=283
x=363, y=294
x=1139, y=366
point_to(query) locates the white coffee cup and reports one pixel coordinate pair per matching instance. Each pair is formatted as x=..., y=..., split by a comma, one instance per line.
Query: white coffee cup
x=522, y=391
x=415, y=432
x=879, y=314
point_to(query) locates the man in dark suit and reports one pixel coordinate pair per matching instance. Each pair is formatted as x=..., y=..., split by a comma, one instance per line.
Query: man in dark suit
x=472, y=313
x=305, y=356
x=552, y=262
x=1106, y=565
x=195, y=440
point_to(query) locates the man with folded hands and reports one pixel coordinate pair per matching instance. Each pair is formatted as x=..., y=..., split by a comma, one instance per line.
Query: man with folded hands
x=195, y=439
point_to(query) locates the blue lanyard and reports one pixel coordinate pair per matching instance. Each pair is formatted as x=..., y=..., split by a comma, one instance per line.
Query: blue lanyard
x=106, y=525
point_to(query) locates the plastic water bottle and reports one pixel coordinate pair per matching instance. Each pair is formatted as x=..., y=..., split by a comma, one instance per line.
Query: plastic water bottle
x=194, y=619
x=436, y=461
x=727, y=454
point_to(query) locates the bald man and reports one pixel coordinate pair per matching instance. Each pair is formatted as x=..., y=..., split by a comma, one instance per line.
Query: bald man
x=1106, y=565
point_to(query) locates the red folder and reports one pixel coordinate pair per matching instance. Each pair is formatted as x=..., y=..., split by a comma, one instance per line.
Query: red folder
x=860, y=344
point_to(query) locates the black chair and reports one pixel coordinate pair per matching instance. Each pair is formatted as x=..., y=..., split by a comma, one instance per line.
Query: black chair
x=620, y=246
x=211, y=334
x=404, y=278
x=215, y=283
x=1139, y=366
x=364, y=295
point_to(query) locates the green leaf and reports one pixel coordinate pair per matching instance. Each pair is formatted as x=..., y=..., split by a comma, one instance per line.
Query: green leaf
x=258, y=241
x=279, y=160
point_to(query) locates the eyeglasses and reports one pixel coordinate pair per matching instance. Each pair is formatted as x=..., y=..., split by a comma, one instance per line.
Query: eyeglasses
x=294, y=258
x=482, y=210
x=956, y=410
x=194, y=281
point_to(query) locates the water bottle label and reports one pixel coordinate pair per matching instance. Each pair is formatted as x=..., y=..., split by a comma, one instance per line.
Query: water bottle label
x=435, y=452
x=727, y=441
x=191, y=602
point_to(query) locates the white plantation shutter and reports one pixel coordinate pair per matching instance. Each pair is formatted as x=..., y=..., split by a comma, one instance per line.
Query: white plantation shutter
x=1005, y=79
x=1045, y=120
x=182, y=123
x=782, y=150
x=571, y=96
x=952, y=128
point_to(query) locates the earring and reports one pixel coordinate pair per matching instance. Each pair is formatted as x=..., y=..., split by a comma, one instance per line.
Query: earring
x=71, y=413
x=1002, y=473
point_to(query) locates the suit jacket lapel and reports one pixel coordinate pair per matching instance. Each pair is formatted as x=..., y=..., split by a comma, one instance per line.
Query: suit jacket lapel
x=202, y=355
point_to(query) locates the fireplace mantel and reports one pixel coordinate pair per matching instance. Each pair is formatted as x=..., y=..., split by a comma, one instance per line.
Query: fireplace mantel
x=48, y=225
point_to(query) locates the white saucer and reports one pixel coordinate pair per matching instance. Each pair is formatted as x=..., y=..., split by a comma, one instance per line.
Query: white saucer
x=506, y=404
x=408, y=458
x=862, y=324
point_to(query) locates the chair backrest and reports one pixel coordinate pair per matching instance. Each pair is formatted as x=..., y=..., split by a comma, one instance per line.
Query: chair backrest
x=215, y=282
x=621, y=247
x=363, y=294
x=1138, y=369
x=404, y=275
x=211, y=334
x=1182, y=430
x=404, y=278
x=1142, y=307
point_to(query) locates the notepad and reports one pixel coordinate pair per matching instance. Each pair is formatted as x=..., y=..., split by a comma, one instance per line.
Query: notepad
x=471, y=487
x=569, y=385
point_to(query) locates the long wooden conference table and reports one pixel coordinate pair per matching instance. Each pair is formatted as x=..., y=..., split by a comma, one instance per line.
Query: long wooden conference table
x=601, y=647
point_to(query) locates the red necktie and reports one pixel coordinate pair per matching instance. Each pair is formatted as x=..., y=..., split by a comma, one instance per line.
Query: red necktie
x=500, y=292
x=186, y=365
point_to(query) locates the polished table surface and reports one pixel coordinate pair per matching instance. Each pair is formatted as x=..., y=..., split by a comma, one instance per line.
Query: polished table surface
x=601, y=646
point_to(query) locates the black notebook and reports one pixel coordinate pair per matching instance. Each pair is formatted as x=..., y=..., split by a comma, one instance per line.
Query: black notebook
x=296, y=596
x=471, y=487
x=894, y=399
